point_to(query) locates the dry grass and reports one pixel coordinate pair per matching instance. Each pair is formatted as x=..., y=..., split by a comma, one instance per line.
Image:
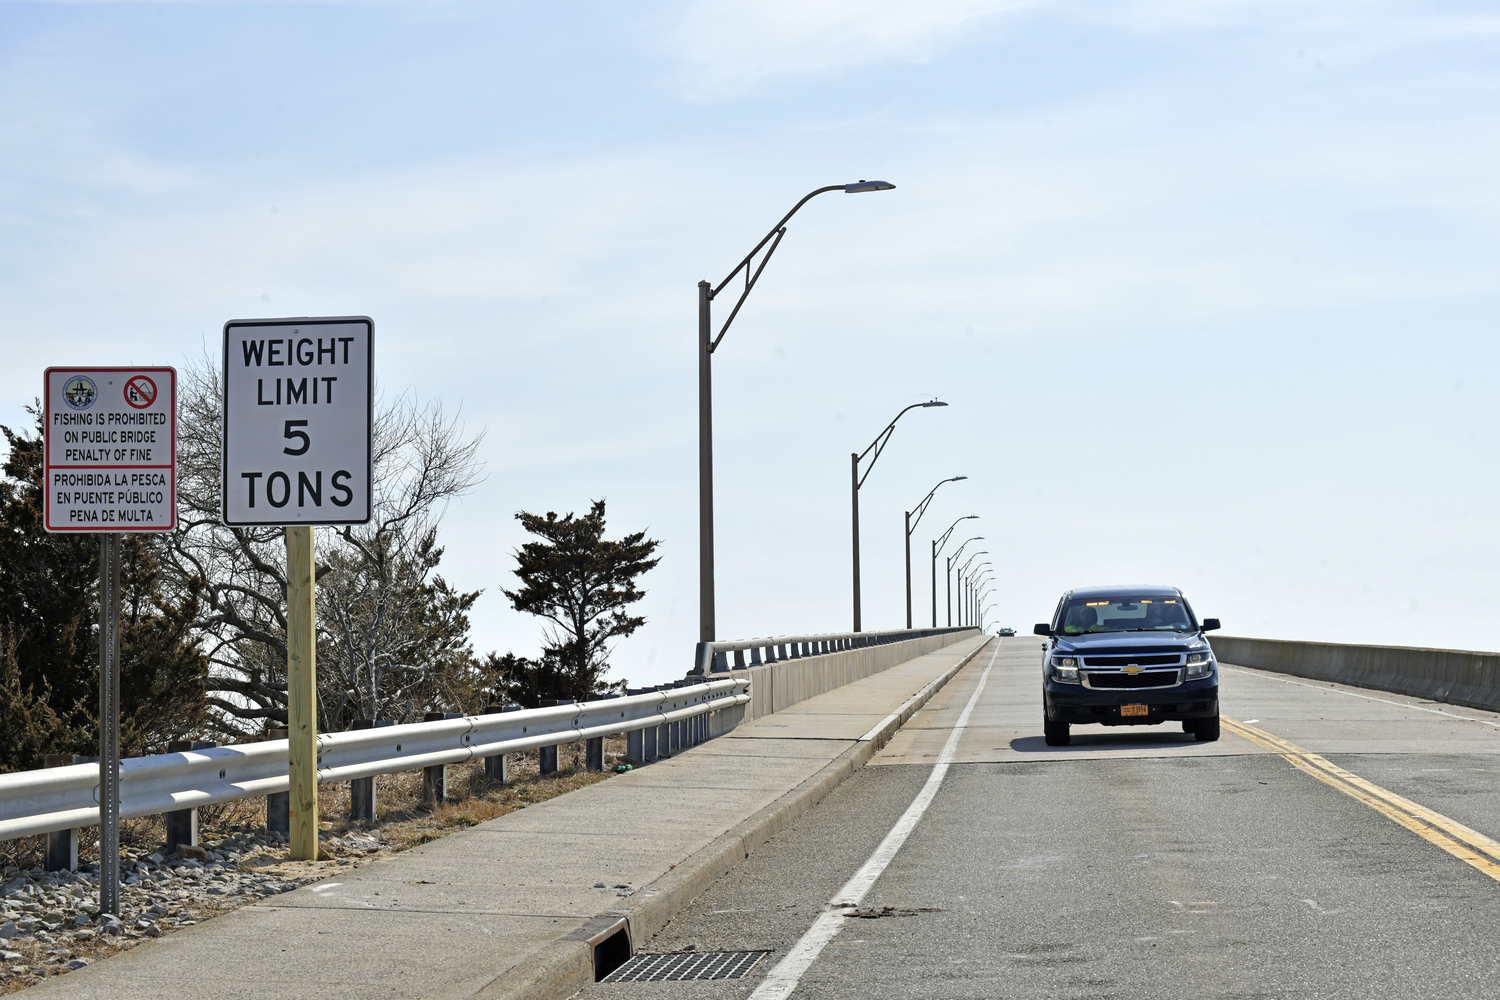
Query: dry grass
x=405, y=820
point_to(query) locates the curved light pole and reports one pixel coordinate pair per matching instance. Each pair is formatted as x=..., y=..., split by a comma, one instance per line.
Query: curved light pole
x=948, y=574
x=856, y=481
x=912, y=526
x=977, y=581
x=969, y=604
x=937, y=546
x=963, y=579
x=707, y=344
x=977, y=578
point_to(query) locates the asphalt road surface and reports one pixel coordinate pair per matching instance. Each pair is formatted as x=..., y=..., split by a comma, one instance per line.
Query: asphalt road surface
x=1334, y=846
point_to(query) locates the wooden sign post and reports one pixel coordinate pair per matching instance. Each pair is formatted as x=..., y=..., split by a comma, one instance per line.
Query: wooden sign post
x=298, y=452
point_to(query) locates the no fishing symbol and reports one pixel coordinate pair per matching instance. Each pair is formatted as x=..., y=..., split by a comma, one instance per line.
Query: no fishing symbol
x=140, y=392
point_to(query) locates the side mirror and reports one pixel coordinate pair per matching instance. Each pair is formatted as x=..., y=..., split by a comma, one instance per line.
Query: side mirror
x=1042, y=629
x=1209, y=624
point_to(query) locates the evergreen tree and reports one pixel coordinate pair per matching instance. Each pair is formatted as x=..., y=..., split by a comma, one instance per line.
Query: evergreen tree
x=49, y=642
x=582, y=584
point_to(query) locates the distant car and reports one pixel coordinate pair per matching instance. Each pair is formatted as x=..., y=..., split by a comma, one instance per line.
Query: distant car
x=1007, y=631
x=1128, y=656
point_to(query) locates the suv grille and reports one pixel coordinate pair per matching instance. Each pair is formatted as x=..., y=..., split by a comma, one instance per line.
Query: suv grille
x=1149, y=679
x=1125, y=661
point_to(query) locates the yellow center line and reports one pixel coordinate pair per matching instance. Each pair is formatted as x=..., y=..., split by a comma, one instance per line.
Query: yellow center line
x=1431, y=826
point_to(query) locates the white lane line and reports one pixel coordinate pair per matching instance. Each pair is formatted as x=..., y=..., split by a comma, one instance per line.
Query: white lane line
x=780, y=981
x=920, y=695
x=1352, y=694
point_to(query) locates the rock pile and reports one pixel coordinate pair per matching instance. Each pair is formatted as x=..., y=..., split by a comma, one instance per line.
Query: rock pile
x=50, y=921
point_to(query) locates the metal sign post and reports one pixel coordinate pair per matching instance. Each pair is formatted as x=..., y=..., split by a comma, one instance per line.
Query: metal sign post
x=298, y=452
x=109, y=724
x=110, y=466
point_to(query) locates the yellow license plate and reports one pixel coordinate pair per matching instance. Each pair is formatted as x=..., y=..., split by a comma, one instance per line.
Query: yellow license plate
x=1134, y=710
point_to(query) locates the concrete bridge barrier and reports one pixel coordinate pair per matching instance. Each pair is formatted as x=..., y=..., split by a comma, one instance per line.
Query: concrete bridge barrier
x=780, y=685
x=1454, y=676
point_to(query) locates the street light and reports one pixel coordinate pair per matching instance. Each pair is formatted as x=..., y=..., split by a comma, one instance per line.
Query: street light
x=974, y=580
x=912, y=526
x=974, y=583
x=948, y=574
x=981, y=591
x=963, y=579
x=707, y=344
x=856, y=481
x=937, y=546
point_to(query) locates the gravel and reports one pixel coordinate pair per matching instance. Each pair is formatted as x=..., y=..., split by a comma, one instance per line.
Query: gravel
x=47, y=918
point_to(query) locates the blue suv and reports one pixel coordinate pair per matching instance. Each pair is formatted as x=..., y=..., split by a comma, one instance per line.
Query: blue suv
x=1128, y=656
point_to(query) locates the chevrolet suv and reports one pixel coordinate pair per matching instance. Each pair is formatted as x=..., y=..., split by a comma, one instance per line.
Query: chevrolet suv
x=1128, y=656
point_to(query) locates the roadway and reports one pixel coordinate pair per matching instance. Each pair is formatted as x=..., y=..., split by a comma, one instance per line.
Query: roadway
x=1333, y=847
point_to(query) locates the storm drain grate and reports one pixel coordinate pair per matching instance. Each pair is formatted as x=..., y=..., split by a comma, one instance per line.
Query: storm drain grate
x=691, y=965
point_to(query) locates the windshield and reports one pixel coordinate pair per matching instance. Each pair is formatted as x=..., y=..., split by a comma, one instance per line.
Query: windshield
x=1125, y=614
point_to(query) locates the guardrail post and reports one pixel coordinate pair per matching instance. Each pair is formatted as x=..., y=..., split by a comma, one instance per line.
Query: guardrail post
x=547, y=756
x=664, y=731
x=435, y=778
x=278, y=804
x=62, y=846
x=362, y=790
x=635, y=739
x=494, y=767
x=182, y=824
x=594, y=754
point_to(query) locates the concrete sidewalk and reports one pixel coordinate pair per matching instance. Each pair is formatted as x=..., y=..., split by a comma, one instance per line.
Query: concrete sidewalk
x=506, y=909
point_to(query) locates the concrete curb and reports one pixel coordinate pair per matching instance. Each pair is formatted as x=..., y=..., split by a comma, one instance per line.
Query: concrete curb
x=564, y=967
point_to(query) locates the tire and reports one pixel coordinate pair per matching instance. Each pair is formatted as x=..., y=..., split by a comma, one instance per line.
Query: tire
x=1206, y=730
x=1188, y=725
x=1056, y=733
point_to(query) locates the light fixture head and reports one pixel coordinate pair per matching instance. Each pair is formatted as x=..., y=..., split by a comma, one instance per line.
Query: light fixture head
x=935, y=402
x=862, y=186
x=955, y=479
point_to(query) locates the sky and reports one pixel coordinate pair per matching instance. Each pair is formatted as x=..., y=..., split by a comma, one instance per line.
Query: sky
x=1211, y=288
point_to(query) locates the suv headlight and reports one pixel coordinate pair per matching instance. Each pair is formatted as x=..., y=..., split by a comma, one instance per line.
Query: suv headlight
x=1199, y=665
x=1065, y=669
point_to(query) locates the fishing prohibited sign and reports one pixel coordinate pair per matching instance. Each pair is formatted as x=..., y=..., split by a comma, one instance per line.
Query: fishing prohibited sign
x=111, y=446
x=298, y=412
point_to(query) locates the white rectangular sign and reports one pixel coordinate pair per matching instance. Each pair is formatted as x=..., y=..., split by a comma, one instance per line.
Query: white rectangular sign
x=298, y=399
x=111, y=449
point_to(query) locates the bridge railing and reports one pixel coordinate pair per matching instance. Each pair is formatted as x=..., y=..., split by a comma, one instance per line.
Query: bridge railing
x=720, y=657
x=65, y=798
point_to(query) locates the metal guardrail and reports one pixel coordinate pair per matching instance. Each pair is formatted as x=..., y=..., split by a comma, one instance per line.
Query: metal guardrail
x=65, y=798
x=714, y=657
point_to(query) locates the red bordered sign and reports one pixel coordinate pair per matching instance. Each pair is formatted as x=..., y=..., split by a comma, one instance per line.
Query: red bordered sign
x=110, y=445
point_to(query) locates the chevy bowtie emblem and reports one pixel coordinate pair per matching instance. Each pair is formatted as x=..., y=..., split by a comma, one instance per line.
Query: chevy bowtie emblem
x=1134, y=669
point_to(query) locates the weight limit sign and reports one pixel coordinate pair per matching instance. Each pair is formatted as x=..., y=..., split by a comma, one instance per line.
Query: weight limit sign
x=298, y=398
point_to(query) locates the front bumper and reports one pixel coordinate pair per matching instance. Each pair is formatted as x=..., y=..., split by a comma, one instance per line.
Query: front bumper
x=1078, y=705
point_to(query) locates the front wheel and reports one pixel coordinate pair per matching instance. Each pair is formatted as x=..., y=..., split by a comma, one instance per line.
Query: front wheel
x=1056, y=733
x=1206, y=730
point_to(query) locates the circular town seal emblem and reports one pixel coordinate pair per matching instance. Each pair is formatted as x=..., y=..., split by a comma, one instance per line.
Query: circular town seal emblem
x=80, y=392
